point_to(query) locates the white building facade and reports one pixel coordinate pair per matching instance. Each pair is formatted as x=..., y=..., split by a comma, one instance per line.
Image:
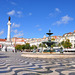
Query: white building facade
x=70, y=36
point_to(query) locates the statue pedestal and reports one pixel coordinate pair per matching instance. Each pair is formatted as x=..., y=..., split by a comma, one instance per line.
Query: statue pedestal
x=8, y=46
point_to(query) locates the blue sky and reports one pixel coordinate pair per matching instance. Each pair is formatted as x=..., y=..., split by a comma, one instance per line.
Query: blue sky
x=33, y=18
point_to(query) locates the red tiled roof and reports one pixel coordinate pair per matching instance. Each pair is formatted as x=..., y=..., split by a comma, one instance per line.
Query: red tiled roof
x=69, y=33
x=2, y=39
x=22, y=40
x=55, y=37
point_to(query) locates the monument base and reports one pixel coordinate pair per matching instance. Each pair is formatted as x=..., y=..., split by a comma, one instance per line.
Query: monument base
x=8, y=46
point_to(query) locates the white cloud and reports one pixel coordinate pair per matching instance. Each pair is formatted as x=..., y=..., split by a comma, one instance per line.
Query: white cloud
x=63, y=20
x=50, y=14
x=57, y=9
x=19, y=35
x=1, y=32
x=39, y=29
x=13, y=3
x=15, y=25
x=66, y=19
x=15, y=13
x=30, y=14
x=11, y=12
x=55, y=13
x=37, y=25
x=19, y=12
x=15, y=31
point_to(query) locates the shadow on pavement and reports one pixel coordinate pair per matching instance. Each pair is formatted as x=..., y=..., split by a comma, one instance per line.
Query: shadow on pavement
x=1, y=54
x=4, y=56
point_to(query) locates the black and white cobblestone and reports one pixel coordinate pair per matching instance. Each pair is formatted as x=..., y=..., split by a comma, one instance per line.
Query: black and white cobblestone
x=14, y=64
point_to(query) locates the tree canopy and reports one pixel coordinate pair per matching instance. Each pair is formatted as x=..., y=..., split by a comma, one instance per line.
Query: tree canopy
x=18, y=47
x=25, y=46
x=42, y=45
x=33, y=47
x=65, y=44
x=53, y=45
x=52, y=39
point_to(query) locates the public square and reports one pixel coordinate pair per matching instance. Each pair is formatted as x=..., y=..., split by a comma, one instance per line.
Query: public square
x=14, y=64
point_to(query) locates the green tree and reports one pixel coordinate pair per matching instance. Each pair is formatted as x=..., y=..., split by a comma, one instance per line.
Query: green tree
x=33, y=46
x=23, y=46
x=59, y=44
x=53, y=45
x=42, y=45
x=52, y=39
x=66, y=44
x=62, y=43
x=27, y=46
x=18, y=47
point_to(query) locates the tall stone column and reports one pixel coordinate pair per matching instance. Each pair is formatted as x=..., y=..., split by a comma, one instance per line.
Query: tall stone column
x=8, y=36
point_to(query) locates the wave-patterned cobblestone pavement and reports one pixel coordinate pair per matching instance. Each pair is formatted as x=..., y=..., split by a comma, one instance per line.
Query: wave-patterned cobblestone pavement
x=14, y=64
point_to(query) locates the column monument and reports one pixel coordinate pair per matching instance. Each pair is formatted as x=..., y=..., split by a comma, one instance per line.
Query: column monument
x=9, y=24
x=8, y=45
